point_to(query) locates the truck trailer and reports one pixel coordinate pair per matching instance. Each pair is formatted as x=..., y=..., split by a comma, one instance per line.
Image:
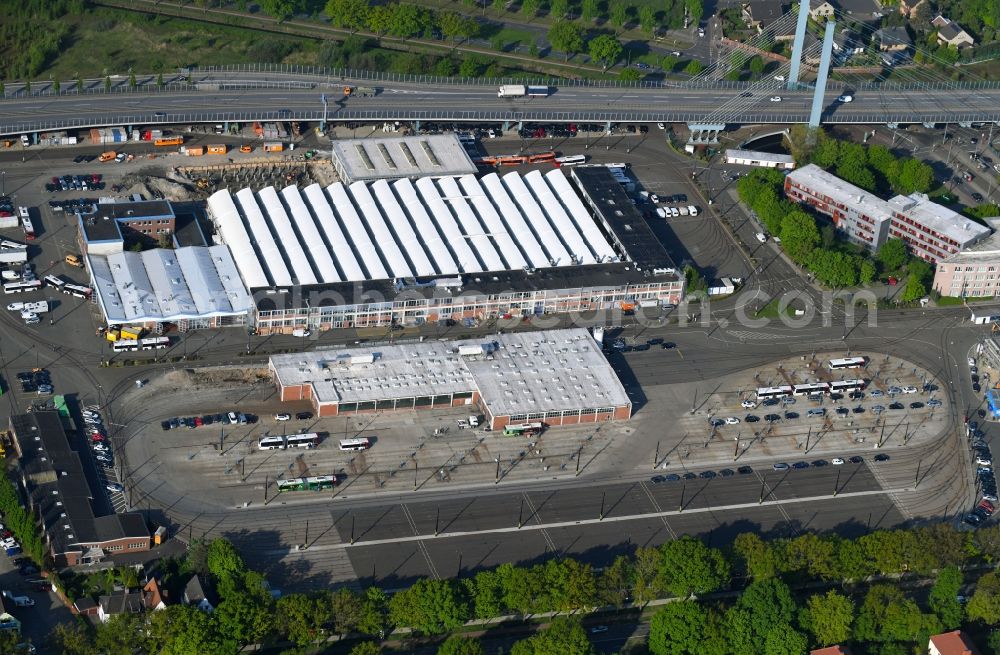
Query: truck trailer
x=512, y=91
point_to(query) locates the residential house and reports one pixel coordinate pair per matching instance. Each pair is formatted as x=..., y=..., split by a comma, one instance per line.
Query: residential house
x=831, y=650
x=85, y=606
x=893, y=39
x=153, y=596
x=856, y=8
x=194, y=594
x=951, y=33
x=118, y=602
x=758, y=14
x=951, y=643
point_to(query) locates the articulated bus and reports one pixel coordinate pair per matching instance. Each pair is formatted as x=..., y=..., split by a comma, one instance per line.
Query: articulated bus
x=362, y=443
x=154, y=343
x=763, y=393
x=125, y=345
x=849, y=362
x=810, y=389
x=21, y=287
x=278, y=442
x=77, y=291
x=313, y=483
x=570, y=160
x=847, y=386
x=523, y=429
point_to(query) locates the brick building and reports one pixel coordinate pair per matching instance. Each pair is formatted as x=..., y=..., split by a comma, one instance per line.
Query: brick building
x=560, y=377
x=78, y=522
x=931, y=231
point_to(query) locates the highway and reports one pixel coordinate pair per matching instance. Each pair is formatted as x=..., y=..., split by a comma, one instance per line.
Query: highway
x=269, y=96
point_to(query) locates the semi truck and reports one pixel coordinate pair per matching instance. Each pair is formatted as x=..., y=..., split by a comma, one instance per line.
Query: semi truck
x=512, y=91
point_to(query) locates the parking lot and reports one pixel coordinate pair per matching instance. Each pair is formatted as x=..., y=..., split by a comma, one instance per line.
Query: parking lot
x=200, y=454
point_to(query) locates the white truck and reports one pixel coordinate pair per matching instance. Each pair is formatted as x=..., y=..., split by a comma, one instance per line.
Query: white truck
x=39, y=307
x=512, y=91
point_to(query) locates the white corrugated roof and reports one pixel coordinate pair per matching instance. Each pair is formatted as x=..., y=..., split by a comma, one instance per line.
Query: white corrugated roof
x=286, y=236
x=168, y=285
x=578, y=212
x=471, y=226
x=400, y=224
x=494, y=225
x=234, y=234
x=442, y=216
x=516, y=225
x=364, y=248
x=270, y=254
x=536, y=219
x=346, y=257
x=318, y=251
x=565, y=228
x=429, y=234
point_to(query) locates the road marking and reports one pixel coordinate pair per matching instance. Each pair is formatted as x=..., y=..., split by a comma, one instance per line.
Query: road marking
x=607, y=519
x=656, y=506
x=420, y=543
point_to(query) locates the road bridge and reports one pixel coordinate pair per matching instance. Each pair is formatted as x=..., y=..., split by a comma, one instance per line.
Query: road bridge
x=246, y=96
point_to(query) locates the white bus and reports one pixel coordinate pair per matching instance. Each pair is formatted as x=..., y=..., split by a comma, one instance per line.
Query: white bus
x=811, y=389
x=125, y=346
x=847, y=386
x=54, y=282
x=77, y=290
x=763, y=393
x=21, y=287
x=152, y=343
x=571, y=160
x=849, y=362
x=29, y=228
x=277, y=442
x=362, y=443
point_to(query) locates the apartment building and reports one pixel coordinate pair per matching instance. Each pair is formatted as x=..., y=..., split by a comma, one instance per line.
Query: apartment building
x=973, y=272
x=931, y=231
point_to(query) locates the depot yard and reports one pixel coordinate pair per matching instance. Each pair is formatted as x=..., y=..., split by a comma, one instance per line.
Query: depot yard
x=223, y=462
x=782, y=427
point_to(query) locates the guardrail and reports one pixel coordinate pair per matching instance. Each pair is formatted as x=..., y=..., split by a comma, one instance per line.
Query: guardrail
x=623, y=115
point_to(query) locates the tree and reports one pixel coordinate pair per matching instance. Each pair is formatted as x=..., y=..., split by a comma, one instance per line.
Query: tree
x=943, y=597
x=589, y=10
x=558, y=9
x=499, y=6
x=630, y=75
x=799, y=235
x=280, y=9
x=887, y=615
x=567, y=37
x=688, y=566
x=646, y=578
x=457, y=645
x=985, y=602
x=914, y=175
x=615, y=581
x=564, y=636
x=107, y=84
x=79, y=84
x=159, y=79
x=429, y=606
x=242, y=620
x=756, y=65
x=827, y=151
x=695, y=10
x=694, y=67
x=351, y=14
x=647, y=19
x=301, y=618
x=783, y=639
x=131, y=80
x=68, y=639
x=191, y=632
x=828, y=617
x=619, y=14
x=408, y=20
x=366, y=648
x=866, y=272
x=835, y=269
x=767, y=603
x=892, y=254
x=380, y=19
x=55, y=86
x=678, y=629
x=757, y=555
x=27, y=87
x=605, y=49
x=530, y=7
x=373, y=610
x=486, y=594
x=913, y=290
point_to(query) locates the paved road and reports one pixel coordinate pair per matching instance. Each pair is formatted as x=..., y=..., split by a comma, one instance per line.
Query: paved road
x=408, y=101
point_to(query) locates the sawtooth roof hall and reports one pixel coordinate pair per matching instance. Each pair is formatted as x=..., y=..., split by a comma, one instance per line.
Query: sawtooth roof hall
x=407, y=229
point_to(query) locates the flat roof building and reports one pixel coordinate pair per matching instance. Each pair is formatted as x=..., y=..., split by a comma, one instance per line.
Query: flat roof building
x=104, y=231
x=931, y=231
x=759, y=158
x=463, y=248
x=399, y=157
x=972, y=272
x=197, y=285
x=79, y=525
x=560, y=377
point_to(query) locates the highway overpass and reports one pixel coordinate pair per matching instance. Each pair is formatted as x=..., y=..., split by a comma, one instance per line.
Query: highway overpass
x=247, y=96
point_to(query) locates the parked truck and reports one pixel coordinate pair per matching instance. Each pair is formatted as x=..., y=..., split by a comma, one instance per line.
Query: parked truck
x=512, y=91
x=39, y=307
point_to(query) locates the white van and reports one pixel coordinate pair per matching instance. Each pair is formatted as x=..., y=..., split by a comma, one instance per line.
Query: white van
x=761, y=237
x=233, y=419
x=474, y=421
x=692, y=210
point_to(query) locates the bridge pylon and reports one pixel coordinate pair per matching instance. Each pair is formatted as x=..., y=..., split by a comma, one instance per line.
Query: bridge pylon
x=824, y=72
x=800, y=37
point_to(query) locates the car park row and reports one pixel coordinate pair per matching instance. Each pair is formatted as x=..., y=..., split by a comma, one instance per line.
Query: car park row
x=777, y=466
x=230, y=418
